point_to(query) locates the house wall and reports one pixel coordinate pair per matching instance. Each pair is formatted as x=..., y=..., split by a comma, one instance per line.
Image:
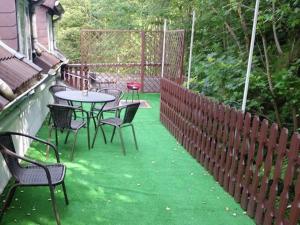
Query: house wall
x=42, y=25
x=27, y=117
x=8, y=23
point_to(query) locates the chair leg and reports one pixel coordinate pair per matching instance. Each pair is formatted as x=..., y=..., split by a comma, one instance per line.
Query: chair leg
x=67, y=136
x=8, y=200
x=134, y=137
x=49, y=121
x=49, y=140
x=56, y=138
x=82, y=114
x=95, y=122
x=65, y=193
x=104, y=137
x=113, y=134
x=122, y=141
x=137, y=93
x=54, y=205
x=88, y=135
x=132, y=95
x=73, y=147
x=95, y=135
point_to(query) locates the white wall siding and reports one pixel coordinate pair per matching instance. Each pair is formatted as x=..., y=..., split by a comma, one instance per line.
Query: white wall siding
x=28, y=118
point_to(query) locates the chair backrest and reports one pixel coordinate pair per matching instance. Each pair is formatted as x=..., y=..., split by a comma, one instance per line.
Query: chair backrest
x=61, y=115
x=130, y=112
x=56, y=88
x=11, y=162
x=118, y=94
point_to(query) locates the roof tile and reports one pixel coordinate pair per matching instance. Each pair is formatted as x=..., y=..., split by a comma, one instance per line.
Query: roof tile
x=46, y=61
x=8, y=23
x=5, y=54
x=14, y=71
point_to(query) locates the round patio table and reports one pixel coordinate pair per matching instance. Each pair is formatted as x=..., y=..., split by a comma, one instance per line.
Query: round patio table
x=83, y=96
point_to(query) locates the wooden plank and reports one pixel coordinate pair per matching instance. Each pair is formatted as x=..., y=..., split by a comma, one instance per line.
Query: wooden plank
x=271, y=202
x=223, y=145
x=256, y=165
x=229, y=149
x=249, y=165
x=242, y=157
x=267, y=166
x=236, y=153
x=293, y=156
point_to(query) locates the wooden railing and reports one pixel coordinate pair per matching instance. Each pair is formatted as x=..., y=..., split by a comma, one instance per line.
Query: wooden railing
x=257, y=163
x=78, y=76
x=75, y=75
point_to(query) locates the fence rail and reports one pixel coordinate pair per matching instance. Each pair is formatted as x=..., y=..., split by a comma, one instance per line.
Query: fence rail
x=254, y=161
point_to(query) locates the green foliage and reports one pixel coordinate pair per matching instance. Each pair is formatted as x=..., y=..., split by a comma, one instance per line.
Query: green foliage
x=220, y=54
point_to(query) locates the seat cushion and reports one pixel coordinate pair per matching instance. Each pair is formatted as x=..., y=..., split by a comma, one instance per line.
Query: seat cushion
x=77, y=124
x=107, y=107
x=35, y=175
x=112, y=121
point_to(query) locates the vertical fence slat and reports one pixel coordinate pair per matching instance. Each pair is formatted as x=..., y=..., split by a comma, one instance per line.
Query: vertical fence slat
x=268, y=161
x=293, y=156
x=270, y=205
x=242, y=157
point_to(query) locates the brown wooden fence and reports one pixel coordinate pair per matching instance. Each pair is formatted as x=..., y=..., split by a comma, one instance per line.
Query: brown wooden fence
x=256, y=162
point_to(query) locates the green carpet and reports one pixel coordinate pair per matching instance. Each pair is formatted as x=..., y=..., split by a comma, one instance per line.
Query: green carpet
x=159, y=185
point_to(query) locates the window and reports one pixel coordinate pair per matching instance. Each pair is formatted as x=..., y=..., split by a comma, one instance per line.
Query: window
x=24, y=31
x=50, y=33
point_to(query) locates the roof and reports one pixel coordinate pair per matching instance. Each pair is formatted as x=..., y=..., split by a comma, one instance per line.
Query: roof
x=8, y=23
x=15, y=72
x=46, y=61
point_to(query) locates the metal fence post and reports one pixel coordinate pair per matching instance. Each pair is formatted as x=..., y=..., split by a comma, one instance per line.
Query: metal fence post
x=143, y=59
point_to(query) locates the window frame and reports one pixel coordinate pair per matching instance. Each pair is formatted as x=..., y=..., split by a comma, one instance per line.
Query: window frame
x=24, y=28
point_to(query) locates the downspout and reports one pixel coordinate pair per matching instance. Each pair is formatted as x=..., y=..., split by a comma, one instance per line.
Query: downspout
x=34, y=35
x=60, y=11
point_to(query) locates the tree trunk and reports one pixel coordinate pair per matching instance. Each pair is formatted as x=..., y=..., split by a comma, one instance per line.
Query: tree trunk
x=244, y=26
x=269, y=77
x=231, y=31
x=295, y=119
x=279, y=50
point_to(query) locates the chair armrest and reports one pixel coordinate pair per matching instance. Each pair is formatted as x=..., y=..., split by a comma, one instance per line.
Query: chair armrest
x=12, y=154
x=36, y=139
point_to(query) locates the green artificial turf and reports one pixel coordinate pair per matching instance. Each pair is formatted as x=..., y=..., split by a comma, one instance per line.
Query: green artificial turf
x=159, y=185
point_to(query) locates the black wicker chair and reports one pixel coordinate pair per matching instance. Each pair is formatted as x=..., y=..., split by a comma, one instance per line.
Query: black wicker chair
x=118, y=123
x=34, y=174
x=56, y=88
x=98, y=110
x=62, y=120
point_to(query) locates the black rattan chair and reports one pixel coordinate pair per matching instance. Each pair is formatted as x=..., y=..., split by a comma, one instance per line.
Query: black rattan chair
x=98, y=110
x=56, y=88
x=34, y=174
x=62, y=120
x=118, y=123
